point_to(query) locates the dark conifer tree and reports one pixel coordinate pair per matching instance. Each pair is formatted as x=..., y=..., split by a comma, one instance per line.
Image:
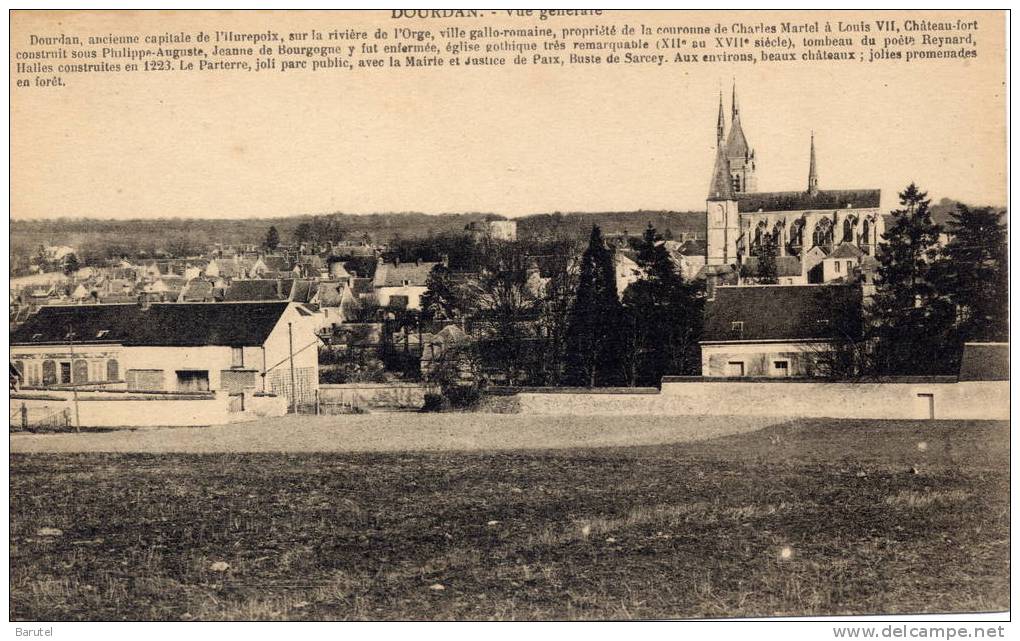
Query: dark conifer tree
x=594, y=339
x=912, y=323
x=272, y=238
x=974, y=273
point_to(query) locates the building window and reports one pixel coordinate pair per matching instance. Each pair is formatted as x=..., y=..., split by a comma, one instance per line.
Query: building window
x=81, y=371
x=849, y=266
x=65, y=373
x=237, y=357
x=781, y=368
x=192, y=380
x=145, y=380
x=737, y=328
x=49, y=373
x=112, y=370
x=735, y=369
x=838, y=267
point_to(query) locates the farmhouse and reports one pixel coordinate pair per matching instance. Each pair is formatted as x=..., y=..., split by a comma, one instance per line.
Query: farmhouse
x=777, y=330
x=237, y=349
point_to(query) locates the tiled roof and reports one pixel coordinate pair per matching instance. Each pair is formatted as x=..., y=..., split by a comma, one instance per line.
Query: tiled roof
x=414, y=274
x=242, y=290
x=782, y=312
x=277, y=263
x=198, y=290
x=985, y=362
x=330, y=293
x=846, y=250
x=802, y=200
x=161, y=324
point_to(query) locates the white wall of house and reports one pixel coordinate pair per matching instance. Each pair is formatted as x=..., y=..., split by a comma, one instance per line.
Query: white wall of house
x=413, y=293
x=772, y=359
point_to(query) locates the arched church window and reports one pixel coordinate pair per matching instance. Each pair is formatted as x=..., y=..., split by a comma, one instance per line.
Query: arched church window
x=796, y=236
x=823, y=233
x=848, y=229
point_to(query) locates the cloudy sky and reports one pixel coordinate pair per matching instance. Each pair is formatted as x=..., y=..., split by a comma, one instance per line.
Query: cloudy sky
x=513, y=140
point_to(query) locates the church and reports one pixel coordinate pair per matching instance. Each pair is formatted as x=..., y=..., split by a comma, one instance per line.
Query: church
x=821, y=235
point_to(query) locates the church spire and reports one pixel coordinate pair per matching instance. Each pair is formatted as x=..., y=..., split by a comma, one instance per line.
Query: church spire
x=721, y=187
x=720, y=128
x=736, y=109
x=812, y=181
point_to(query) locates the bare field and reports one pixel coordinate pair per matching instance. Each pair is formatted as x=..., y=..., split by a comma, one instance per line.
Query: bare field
x=802, y=518
x=391, y=432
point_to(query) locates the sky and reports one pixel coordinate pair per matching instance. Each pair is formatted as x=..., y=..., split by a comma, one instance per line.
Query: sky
x=512, y=140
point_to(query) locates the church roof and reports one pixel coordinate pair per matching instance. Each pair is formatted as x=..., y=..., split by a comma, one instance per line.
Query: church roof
x=736, y=142
x=802, y=200
x=721, y=188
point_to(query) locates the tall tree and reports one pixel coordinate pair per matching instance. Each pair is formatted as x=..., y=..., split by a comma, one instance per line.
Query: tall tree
x=303, y=233
x=272, y=238
x=767, y=272
x=664, y=316
x=441, y=301
x=911, y=322
x=71, y=264
x=973, y=273
x=594, y=337
x=506, y=305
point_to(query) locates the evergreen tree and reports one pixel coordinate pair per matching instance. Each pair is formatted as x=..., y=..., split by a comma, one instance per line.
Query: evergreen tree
x=767, y=272
x=272, y=238
x=912, y=323
x=664, y=316
x=593, y=340
x=440, y=300
x=974, y=273
x=303, y=233
x=71, y=264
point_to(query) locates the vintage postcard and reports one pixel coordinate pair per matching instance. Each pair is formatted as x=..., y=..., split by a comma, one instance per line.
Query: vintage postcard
x=541, y=315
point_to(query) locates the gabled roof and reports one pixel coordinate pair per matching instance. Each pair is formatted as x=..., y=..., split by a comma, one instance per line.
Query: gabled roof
x=197, y=290
x=249, y=290
x=395, y=275
x=159, y=325
x=277, y=263
x=330, y=293
x=782, y=312
x=985, y=362
x=846, y=250
x=802, y=200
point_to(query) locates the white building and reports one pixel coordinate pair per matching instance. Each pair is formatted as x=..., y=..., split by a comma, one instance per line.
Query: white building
x=237, y=349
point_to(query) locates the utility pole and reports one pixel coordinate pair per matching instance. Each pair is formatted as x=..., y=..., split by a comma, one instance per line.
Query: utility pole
x=293, y=385
x=74, y=388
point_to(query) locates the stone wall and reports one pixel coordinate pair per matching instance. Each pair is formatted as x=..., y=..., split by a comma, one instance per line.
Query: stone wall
x=908, y=399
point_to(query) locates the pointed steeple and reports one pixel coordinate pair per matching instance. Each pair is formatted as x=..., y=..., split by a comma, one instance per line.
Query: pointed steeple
x=812, y=181
x=736, y=109
x=721, y=187
x=720, y=128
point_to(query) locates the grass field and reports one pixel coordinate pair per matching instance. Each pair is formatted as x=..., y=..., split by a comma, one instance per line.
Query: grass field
x=803, y=518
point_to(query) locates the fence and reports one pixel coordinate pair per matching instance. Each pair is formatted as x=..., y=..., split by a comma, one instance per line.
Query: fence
x=43, y=416
x=342, y=399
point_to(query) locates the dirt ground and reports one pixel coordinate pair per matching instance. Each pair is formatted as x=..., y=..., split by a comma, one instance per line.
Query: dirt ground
x=396, y=432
